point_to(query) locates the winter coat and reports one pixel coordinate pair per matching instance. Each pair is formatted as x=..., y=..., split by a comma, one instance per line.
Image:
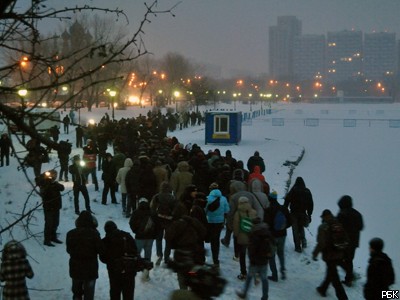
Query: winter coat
x=233, y=204
x=187, y=234
x=78, y=175
x=351, y=220
x=163, y=204
x=121, y=175
x=325, y=243
x=257, y=188
x=255, y=161
x=161, y=174
x=90, y=155
x=138, y=222
x=181, y=178
x=5, y=144
x=257, y=244
x=118, y=244
x=217, y=216
x=244, y=210
x=379, y=275
x=51, y=196
x=109, y=172
x=132, y=180
x=13, y=270
x=83, y=246
x=270, y=214
x=299, y=199
x=147, y=180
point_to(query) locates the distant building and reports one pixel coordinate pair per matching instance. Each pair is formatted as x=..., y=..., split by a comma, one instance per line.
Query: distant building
x=309, y=56
x=344, y=55
x=379, y=55
x=281, y=39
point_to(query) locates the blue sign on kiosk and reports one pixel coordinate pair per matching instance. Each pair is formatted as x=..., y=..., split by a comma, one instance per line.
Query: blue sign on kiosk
x=223, y=127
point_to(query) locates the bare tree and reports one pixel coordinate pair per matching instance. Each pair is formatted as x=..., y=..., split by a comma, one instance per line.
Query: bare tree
x=41, y=66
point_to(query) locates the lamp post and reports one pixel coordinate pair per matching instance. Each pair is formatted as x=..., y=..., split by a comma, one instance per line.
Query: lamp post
x=176, y=95
x=78, y=105
x=22, y=94
x=112, y=95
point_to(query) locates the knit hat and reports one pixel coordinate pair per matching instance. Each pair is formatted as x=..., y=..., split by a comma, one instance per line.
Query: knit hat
x=213, y=186
x=110, y=226
x=273, y=195
x=326, y=212
x=376, y=244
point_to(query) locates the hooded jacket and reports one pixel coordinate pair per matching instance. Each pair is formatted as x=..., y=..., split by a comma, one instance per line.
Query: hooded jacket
x=244, y=210
x=299, y=199
x=351, y=220
x=218, y=215
x=121, y=175
x=181, y=178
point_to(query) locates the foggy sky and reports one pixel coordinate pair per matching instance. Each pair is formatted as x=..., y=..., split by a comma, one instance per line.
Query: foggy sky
x=233, y=34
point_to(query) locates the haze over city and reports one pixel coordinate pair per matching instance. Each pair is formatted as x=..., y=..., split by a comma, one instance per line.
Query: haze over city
x=233, y=34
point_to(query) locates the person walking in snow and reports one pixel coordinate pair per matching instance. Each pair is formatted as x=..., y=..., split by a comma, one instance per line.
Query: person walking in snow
x=84, y=245
x=109, y=177
x=5, y=147
x=13, y=270
x=300, y=202
x=256, y=160
x=119, y=254
x=79, y=180
x=330, y=254
x=380, y=273
x=244, y=213
x=121, y=180
x=278, y=229
x=260, y=251
x=216, y=219
x=352, y=221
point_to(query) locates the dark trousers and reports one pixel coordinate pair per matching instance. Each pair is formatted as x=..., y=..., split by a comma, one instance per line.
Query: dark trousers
x=79, y=142
x=93, y=172
x=162, y=226
x=84, y=191
x=215, y=233
x=51, y=222
x=332, y=276
x=298, y=232
x=227, y=239
x=347, y=263
x=108, y=187
x=66, y=128
x=83, y=288
x=37, y=168
x=242, y=258
x=7, y=156
x=122, y=283
x=63, y=170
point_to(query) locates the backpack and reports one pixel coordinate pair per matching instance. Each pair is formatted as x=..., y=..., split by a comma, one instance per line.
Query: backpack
x=213, y=206
x=246, y=224
x=339, y=238
x=280, y=221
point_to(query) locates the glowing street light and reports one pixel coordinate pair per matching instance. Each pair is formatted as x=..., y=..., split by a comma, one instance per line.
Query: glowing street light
x=22, y=93
x=112, y=94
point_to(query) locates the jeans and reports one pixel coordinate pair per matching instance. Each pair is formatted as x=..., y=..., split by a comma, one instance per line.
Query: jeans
x=262, y=271
x=159, y=239
x=85, y=194
x=147, y=246
x=83, y=288
x=280, y=251
x=215, y=233
x=123, y=202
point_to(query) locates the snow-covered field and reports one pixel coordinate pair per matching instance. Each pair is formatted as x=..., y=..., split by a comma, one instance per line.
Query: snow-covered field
x=360, y=161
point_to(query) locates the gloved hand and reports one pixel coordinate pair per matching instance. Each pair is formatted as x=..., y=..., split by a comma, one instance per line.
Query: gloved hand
x=315, y=258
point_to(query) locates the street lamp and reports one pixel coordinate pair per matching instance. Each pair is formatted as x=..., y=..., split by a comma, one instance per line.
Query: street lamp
x=22, y=94
x=176, y=95
x=112, y=95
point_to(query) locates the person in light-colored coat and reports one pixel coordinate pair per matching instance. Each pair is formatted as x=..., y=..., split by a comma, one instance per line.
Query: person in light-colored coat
x=121, y=181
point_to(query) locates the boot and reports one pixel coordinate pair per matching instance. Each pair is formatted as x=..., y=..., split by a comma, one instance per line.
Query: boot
x=146, y=275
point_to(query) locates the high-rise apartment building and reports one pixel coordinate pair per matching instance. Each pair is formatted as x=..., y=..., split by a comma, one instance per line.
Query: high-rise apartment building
x=281, y=39
x=379, y=55
x=344, y=55
x=309, y=56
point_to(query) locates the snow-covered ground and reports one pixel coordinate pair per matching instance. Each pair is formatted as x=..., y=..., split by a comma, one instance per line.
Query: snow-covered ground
x=360, y=161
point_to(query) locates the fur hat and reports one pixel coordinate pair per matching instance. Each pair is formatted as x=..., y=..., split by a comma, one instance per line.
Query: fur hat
x=326, y=213
x=213, y=186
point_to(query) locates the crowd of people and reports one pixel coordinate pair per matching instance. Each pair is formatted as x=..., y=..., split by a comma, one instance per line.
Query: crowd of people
x=182, y=197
